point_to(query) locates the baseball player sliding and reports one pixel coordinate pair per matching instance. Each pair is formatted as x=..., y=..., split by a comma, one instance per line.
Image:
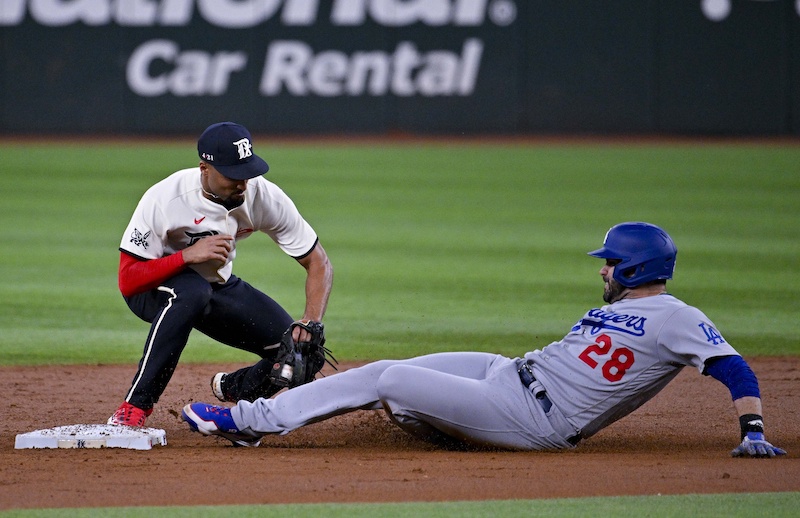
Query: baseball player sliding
x=613, y=360
x=176, y=265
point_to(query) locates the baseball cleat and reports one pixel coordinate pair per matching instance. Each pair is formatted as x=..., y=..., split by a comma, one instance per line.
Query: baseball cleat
x=216, y=420
x=216, y=385
x=129, y=415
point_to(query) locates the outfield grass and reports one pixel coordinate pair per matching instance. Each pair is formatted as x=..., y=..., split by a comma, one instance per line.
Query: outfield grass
x=436, y=248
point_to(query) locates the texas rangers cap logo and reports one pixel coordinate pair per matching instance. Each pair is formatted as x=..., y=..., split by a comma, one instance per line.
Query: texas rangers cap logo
x=228, y=147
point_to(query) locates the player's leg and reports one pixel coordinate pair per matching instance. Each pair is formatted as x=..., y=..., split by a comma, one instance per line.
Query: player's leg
x=495, y=411
x=244, y=317
x=353, y=389
x=321, y=399
x=171, y=310
x=241, y=316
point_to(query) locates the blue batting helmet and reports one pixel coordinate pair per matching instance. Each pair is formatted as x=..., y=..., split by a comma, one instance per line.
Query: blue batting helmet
x=646, y=253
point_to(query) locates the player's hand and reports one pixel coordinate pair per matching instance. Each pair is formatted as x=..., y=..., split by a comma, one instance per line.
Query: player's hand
x=215, y=248
x=300, y=334
x=754, y=445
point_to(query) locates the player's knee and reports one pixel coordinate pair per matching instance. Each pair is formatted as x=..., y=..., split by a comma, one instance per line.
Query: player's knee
x=388, y=380
x=397, y=394
x=393, y=387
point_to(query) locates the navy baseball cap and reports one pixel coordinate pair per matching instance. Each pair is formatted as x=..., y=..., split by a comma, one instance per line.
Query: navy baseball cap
x=229, y=148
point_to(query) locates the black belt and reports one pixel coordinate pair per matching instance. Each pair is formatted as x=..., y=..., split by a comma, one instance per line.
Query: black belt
x=527, y=379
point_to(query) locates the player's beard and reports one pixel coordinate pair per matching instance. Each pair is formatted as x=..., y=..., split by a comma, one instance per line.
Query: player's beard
x=613, y=291
x=231, y=202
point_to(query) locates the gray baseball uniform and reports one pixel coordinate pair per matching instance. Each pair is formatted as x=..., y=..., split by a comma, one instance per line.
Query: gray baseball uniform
x=611, y=362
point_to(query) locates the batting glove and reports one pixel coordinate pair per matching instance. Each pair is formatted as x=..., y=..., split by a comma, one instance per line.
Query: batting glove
x=754, y=445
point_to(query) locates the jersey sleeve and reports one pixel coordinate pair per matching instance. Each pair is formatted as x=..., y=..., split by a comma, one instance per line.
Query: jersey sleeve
x=138, y=276
x=689, y=337
x=145, y=236
x=276, y=215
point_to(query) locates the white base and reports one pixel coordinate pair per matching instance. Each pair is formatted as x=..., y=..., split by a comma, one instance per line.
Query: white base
x=93, y=436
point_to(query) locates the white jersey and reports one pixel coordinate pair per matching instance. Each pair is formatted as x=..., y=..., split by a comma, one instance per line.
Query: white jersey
x=173, y=214
x=619, y=356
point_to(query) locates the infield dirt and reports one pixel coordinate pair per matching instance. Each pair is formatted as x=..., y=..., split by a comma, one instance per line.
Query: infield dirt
x=677, y=443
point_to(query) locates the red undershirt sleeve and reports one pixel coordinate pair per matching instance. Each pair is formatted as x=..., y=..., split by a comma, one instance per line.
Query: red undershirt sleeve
x=138, y=275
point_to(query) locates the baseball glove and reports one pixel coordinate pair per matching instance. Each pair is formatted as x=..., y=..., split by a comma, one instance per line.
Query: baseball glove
x=298, y=363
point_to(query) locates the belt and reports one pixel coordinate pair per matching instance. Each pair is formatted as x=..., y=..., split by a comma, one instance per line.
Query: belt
x=528, y=379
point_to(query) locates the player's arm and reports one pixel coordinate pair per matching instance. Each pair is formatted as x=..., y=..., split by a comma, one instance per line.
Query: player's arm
x=140, y=275
x=319, y=281
x=736, y=374
x=137, y=275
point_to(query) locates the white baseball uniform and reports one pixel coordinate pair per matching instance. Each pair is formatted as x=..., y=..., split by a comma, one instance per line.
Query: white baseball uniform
x=172, y=215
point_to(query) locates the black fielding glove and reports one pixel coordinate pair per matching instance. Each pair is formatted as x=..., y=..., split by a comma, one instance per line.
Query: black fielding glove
x=298, y=363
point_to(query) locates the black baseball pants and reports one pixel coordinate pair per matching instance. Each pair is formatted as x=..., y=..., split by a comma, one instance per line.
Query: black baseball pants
x=234, y=313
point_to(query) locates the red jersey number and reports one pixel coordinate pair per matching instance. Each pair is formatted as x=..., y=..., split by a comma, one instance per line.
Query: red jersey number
x=616, y=366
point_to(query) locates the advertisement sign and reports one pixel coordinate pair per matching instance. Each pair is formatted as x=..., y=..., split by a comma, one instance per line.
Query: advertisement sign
x=378, y=66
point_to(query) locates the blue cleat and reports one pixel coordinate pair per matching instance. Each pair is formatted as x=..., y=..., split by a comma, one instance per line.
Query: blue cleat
x=216, y=420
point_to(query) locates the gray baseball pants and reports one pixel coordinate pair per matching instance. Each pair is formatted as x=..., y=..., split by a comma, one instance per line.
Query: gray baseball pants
x=469, y=397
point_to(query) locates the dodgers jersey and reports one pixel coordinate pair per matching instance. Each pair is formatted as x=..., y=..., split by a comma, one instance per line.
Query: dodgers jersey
x=619, y=356
x=173, y=214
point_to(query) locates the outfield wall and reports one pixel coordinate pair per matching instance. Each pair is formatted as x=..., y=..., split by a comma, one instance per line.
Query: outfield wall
x=724, y=67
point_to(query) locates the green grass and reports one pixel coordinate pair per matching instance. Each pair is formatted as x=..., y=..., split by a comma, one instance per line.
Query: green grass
x=436, y=247
x=775, y=505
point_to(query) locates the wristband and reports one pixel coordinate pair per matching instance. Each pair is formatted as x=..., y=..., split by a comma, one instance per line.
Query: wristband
x=751, y=423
